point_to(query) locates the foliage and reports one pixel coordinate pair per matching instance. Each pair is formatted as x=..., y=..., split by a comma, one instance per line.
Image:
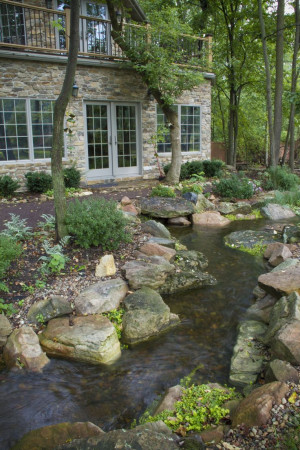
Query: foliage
x=10, y=250
x=16, y=228
x=162, y=191
x=280, y=178
x=291, y=198
x=40, y=318
x=38, y=182
x=116, y=317
x=8, y=186
x=188, y=169
x=199, y=408
x=7, y=308
x=48, y=222
x=192, y=187
x=72, y=177
x=254, y=212
x=256, y=250
x=70, y=192
x=234, y=187
x=54, y=260
x=96, y=222
x=213, y=168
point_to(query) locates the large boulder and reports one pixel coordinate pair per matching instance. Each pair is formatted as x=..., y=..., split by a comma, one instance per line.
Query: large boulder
x=248, y=356
x=150, y=271
x=210, y=219
x=250, y=238
x=281, y=282
x=5, y=330
x=234, y=208
x=203, y=204
x=189, y=273
x=273, y=211
x=48, y=438
x=278, y=370
x=286, y=343
x=23, y=350
x=91, y=339
x=154, y=436
x=101, y=297
x=155, y=228
x=255, y=409
x=166, y=208
x=146, y=315
x=49, y=308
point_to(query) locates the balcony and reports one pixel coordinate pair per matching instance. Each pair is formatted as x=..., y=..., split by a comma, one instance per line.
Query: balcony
x=33, y=29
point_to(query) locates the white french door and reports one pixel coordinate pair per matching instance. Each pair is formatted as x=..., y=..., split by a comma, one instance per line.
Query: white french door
x=112, y=139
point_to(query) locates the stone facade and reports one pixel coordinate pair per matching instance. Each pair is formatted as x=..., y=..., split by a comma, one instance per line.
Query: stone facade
x=36, y=77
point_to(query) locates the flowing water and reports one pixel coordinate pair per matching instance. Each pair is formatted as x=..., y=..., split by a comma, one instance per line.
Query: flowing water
x=111, y=397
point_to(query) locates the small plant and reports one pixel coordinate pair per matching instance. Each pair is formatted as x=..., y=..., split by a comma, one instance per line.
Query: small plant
x=116, y=317
x=38, y=182
x=16, y=228
x=70, y=192
x=72, y=177
x=10, y=250
x=40, y=318
x=28, y=288
x=54, y=260
x=39, y=284
x=48, y=222
x=191, y=187
x=96, y=222
x=162, y=191
x=7, y=308
x=8, y=186
x=234, y=187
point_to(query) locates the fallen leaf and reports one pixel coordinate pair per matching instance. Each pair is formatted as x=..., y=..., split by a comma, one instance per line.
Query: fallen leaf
x=293, y=397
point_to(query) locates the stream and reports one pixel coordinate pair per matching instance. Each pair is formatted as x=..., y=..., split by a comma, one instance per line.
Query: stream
x=111, y=397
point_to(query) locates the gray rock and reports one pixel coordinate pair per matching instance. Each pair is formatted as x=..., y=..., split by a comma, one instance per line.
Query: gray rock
x=152, y=436
x=210, y=219
x=166, y=207
x=273, y=211
x=291, y=234
x=5, y=330
x=179, y=221
x=203, y=204
x=258, y=292
x=278, y=370
x=191, y=197
x=91, y=339
x=261, y=310
x=286, y=343
x=101, y=297
x=279, y=255
x=234, y=208
x=290, y=262
x=150, y=271
x=146, y=316
x=162, y=241
x=131, y=218
x=173, y=395
x=248, y=356
x=23, y=350
x=250, y=238
x=281, y=282
x=49, y=308
x=155, y=228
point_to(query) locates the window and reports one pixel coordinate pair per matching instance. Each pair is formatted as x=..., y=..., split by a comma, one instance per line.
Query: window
x=190, y=129
x=25, y=129
x=12, y=29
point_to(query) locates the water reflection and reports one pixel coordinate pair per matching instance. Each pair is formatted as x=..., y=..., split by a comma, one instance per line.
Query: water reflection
x=112, y=396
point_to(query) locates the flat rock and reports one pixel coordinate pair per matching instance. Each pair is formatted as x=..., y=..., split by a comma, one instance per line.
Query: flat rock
x=48, y=438
x=149, y=272
x=179, y=221
x=49, y=308
x=273, y=211
x=173, y=395
x=210, y=219
x=213, y=434
x=166, y=208
x=255, y=409
x=281, y=282
x=106, y=267
x=155, y=228
x=91, y=339
x=290, y=262
x=163, y=241
x=152, y=436
x=250, y=238
x=5, y=330
x=278, y=370
x=152, y=249
x=234, y=208
x=146, y=316
x=101, y=297
x=23, y=349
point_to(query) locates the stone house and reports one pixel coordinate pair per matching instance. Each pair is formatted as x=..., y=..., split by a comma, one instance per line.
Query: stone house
x=115, y=117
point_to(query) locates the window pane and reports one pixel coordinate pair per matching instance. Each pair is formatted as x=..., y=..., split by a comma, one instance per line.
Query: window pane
x=42, y=127
x=190, y=128
x=13, y=137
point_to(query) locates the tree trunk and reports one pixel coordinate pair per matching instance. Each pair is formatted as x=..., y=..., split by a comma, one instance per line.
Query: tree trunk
x=278, y=80
x=58, y=124
x=268, y=84
x=173, y=174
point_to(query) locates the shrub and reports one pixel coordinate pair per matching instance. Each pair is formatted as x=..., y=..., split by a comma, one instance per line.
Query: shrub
x=72, y=177
x=291, y=198
x=8, y=186
x=9, y=251
x=234, y=187
x=162, y=191
x=16, y=228
x=96, y=222
x=187, y=169
x=38, y=182
x=280, y=178
x=213, y=168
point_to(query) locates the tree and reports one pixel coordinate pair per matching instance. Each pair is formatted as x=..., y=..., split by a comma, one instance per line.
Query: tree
x=58, y=122
x=154, y=53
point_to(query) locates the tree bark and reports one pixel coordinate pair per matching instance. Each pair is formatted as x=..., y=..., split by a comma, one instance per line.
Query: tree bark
x=173, y=174
x=58, y=124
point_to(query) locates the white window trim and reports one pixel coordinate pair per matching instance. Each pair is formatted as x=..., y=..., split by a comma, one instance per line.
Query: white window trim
x=179, y=105
x=31, y=159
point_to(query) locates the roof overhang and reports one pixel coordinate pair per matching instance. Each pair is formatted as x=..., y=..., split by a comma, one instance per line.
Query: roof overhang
x=135, y=10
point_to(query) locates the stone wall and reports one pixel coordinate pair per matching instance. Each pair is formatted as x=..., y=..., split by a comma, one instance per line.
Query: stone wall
x=26, y=78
